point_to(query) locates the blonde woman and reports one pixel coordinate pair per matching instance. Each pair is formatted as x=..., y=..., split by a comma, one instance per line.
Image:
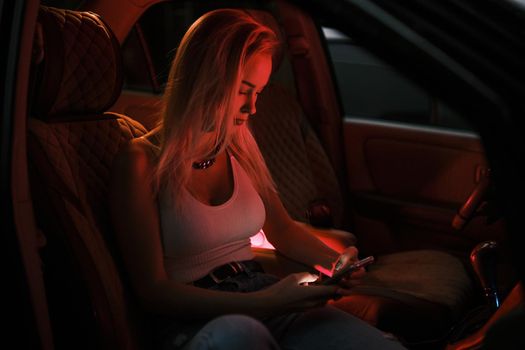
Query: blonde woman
x=187, y=197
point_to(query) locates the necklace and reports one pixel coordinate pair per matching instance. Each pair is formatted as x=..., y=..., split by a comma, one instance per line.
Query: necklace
x=203, y=164
x=206, y=163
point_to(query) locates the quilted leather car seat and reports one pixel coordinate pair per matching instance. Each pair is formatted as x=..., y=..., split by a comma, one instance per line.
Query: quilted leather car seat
x=417, y=295
x=71, y=145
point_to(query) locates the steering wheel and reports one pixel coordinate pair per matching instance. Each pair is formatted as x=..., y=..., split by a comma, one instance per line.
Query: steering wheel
x=472, y=204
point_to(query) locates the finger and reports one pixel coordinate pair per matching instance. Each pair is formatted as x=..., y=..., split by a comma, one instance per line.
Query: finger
x=305, y=277
x=339, y=263
x=350, y=283
x=352, y=253
x=341, y=292
x=317, y=292
x=348, y=256
x=353, y=279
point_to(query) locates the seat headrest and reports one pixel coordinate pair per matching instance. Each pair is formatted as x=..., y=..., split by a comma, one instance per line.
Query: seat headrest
x=80, y=73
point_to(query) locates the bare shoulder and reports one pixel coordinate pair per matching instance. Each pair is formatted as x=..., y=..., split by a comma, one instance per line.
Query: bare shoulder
x=132, y=172
x=136, y=157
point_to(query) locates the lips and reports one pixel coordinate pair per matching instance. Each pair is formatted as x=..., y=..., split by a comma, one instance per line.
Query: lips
x=240, y=121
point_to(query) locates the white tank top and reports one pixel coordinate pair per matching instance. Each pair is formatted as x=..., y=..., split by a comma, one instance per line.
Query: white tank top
x=202, y=237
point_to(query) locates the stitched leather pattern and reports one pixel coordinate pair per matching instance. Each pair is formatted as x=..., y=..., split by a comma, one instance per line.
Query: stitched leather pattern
x=293, y=154
x=276, y=128
x=73, y=145
x=82, y=153
x=323, y=173
x=90, y=80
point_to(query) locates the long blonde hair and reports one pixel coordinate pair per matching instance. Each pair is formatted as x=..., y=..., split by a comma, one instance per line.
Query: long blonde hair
x=202, y=84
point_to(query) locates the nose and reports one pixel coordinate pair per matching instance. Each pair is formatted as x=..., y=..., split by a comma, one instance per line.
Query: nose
x=249, y=104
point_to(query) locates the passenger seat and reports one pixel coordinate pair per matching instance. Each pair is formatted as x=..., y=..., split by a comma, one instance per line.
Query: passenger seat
x=417, y=295
x=72, y=141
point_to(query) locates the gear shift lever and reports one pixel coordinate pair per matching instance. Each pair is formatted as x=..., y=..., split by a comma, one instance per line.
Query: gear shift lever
x=483, y=259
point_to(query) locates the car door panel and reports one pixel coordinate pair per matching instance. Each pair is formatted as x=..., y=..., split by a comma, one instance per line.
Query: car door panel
x=407, y=183
x=420, y=171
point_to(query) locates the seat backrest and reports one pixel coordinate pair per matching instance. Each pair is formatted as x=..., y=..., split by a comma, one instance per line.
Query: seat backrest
x=72, y=142
x=299, y=165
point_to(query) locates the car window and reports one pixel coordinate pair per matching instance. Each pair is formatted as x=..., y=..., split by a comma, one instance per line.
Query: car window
x=369, y=88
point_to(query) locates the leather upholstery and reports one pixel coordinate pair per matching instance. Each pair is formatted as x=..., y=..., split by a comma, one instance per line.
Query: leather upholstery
x=72, y=144
x=83, y=74
x=415, y=294
x=294, y=155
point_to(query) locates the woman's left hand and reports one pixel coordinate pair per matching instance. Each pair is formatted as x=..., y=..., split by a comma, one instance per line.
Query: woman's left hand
x=348, y=257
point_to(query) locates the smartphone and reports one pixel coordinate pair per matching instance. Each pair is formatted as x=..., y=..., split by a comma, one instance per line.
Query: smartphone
x=347, y=270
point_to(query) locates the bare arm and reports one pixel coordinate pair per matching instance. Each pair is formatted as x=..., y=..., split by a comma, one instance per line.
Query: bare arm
x=136, y=222
x=293, y=239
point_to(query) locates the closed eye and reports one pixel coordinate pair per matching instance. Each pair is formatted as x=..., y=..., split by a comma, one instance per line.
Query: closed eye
x=245, y=92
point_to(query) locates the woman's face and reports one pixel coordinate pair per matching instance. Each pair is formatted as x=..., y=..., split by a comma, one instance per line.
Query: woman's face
x=254, y=78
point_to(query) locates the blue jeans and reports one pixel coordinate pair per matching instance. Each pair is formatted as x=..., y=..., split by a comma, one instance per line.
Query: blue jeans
x=319, y=328
x=232, y=332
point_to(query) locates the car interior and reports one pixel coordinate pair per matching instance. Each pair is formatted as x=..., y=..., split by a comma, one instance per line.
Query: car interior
x=416, y=197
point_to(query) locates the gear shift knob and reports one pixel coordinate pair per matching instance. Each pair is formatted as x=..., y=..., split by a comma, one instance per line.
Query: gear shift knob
x=484, y=261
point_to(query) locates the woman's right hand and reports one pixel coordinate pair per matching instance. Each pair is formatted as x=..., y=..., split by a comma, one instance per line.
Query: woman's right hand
x=295, y=293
